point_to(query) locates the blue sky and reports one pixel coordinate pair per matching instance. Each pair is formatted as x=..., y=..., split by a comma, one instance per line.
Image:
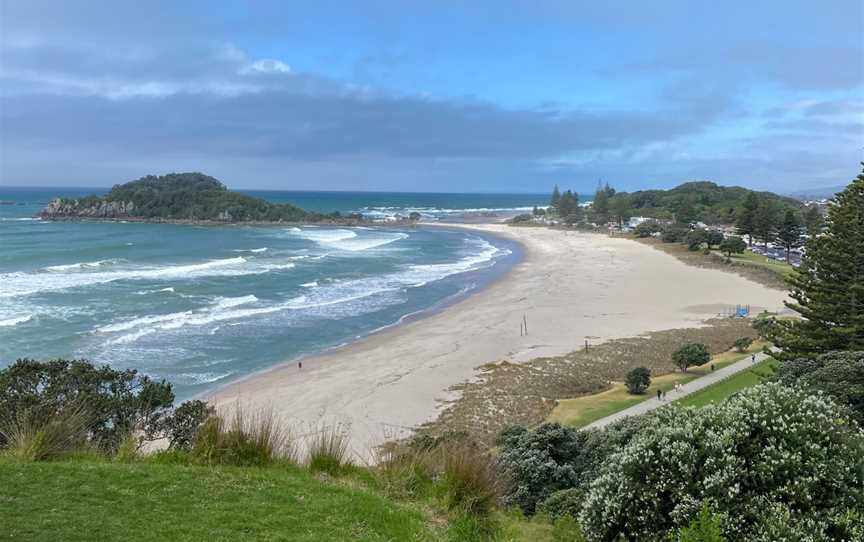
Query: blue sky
x=433, y=96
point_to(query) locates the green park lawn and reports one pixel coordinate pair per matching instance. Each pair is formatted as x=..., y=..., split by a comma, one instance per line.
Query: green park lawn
x=583, y=410
x=729, y=386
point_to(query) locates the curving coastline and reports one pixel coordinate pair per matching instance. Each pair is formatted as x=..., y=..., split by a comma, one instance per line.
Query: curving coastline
x=569, y=286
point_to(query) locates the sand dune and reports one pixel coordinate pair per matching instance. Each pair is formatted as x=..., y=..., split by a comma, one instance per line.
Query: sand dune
x=570, y=286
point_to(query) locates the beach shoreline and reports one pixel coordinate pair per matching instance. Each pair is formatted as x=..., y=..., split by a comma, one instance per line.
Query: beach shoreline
x=569, y=287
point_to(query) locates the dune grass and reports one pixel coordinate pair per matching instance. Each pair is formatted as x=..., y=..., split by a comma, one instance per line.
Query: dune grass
x=729, y=386
x=101, y=500
x=581, y=411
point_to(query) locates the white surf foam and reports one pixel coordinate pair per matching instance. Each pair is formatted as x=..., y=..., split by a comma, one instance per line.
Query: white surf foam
x=79, y=265
x=323, y=236
x=26, y=283
x=16, y=320
x=23, y=219
x=365, y=243
x=312, y=284
x=252, y=250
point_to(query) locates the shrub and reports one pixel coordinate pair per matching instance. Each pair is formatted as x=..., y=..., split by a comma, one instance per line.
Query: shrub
x=839, y=374
x=328, y=449
x=522, y=218
x=245, y=440
x=675, y=234
x=638, y=380
x=117, y=402
x=566, y=502
x=181, y=426
x=732, y=245
x=647, y=229
x=704, y=528
x=695, y=238
x=690, y=355
x=767, y=451
x=540, y=462
x=765, y=325
x=29, y=436
x=553, y=458
x=471, y=483
x=741, y=345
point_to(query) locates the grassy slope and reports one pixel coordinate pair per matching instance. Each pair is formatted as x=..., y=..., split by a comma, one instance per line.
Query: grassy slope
x=101, y=500
x=580, y=411
x=725, y=388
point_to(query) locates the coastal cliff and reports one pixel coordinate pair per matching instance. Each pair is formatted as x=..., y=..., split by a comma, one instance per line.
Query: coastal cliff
x=184, y=198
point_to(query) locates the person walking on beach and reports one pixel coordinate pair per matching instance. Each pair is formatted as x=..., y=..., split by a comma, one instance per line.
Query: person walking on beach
x=753, y=358
x=299, y=364
x=659, y=394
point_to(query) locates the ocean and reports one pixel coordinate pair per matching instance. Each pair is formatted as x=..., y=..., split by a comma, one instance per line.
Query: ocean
x=202, y=306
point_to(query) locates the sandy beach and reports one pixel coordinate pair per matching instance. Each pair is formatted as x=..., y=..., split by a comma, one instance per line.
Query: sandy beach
x=569, y=286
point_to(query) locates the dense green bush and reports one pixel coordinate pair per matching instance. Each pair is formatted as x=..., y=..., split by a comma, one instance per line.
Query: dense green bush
x=647, y=229
x=637, y=380
x=839, y=374
x=690, y=355
x=181, y=426
x=768, y=452
x=566, y=502
x=245, y=439
x=117, y=402
x=742, y=344
x=552, y=458
x=675, y=234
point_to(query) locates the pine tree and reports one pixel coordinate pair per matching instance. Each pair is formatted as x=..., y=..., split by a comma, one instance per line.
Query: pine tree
x=789, y=233
x=813, y=221
x=746, y=222
x=556, y=198
x=765, y=222
x=600, y=205
x=828, y=288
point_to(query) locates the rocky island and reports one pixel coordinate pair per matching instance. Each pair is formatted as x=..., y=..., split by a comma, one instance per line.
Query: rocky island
x=182, y=198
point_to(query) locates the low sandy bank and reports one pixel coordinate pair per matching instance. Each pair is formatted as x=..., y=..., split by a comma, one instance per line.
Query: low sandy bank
x=569, y=286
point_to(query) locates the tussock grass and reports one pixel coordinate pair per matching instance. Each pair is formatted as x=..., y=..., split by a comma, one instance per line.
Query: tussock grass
x=128, y=449
x=403, y=472
x=470, y=480
x=30, y=437
x=245, y=438
x=328, y=449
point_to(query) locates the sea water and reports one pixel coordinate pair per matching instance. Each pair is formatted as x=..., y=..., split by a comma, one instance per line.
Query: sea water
x=202, y=306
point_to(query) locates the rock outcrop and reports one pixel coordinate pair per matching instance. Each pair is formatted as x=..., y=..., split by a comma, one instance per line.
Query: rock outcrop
x=73, y=208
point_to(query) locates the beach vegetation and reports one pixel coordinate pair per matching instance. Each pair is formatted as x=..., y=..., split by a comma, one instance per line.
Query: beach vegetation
x=827, y=290
x=838, y=374
x=760, y=372
x=328, y=449
x=638, y=380
x=117, y=402
x=562, y=503
x=28, y=435
x=691, y=354
x=770, y=450
x=742, y=344
x=243, y=438
x=181, y=426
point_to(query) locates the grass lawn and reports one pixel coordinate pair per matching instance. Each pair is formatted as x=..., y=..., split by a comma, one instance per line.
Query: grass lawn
x=581, y=411
x=749, y=258
x=103, y=500
x=725, y=388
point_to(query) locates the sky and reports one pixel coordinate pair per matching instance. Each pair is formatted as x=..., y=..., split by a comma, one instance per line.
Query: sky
x=435, y=96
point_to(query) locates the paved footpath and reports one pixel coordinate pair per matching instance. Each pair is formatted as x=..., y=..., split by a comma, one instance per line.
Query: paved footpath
x=686, y=389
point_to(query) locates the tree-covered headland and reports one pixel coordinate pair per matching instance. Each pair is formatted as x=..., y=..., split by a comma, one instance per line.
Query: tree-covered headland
x=181, y=197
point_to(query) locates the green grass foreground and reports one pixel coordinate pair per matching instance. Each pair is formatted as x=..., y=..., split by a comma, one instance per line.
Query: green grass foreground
x=88, y=500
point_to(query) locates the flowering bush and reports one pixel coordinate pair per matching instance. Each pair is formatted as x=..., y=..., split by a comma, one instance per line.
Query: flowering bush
x=768, y=452
x=839, y=374
x=554, y=458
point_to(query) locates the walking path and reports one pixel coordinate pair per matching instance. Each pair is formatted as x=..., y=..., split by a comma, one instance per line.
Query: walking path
x=686, y=389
